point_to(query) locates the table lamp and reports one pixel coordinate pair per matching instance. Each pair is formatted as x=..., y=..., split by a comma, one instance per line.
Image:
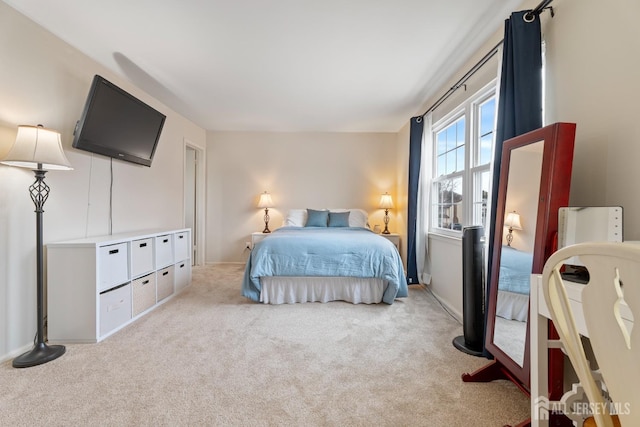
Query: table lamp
x=265, y=202
x=386, y=203
x=513, y=222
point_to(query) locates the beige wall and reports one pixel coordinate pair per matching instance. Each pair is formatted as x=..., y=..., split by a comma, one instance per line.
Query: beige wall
x=592, y=79
x=300, y=170
x=591, y=69
x=43, y=80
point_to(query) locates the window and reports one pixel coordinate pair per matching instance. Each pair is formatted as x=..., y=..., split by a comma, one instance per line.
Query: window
x=463, y=146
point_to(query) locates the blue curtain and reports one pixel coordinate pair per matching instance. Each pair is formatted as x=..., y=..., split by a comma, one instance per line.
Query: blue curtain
x=415, y=154
x=520, y=98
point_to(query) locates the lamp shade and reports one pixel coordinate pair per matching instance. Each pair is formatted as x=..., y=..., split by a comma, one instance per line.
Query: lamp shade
x=265, y=200
x=513, y=221
x=37, y=148
x=386, y=202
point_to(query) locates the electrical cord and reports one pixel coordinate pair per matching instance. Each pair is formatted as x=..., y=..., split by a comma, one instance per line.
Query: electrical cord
x=86, y=227
x=111, y=196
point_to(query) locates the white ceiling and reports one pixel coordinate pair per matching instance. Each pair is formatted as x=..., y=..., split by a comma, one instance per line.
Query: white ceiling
x=279, y=65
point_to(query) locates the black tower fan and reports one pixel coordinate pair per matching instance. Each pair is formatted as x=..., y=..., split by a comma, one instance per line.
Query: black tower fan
x=473, y=292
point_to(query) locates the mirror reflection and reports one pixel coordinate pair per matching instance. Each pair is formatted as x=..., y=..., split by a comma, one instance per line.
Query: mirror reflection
x=516, y=256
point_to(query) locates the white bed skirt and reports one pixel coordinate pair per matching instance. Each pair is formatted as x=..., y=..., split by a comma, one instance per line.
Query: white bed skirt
x=289, y=290
x=512, y=306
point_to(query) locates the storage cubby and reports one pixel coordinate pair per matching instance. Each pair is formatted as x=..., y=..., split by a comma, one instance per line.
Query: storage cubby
x=182, y=246
x=165, y=283
x=98, y=285
x=115, y=308
x=113, y=265
x=164, y=250
x=141, y=257
x=182, y=274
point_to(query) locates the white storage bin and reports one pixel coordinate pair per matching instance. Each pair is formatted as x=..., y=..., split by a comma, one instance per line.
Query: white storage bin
x=182, y=274
x=182, y=246
x=164, y=250
x=113, y=266
x=165, y=282
x=141, y=257
x=115, y=308
x=143, y=292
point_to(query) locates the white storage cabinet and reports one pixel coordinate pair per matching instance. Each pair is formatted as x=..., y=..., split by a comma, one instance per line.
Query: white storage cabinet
x=98, y=285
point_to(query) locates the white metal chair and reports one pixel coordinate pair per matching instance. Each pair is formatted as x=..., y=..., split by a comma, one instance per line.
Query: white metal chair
x=614, y=279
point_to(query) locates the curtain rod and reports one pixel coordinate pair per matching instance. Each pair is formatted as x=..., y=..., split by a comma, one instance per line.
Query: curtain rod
x=528, y=17
x=538, y=10
x=464, y=78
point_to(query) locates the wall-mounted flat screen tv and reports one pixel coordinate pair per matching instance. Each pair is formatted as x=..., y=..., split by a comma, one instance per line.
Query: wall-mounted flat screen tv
x=114, y=123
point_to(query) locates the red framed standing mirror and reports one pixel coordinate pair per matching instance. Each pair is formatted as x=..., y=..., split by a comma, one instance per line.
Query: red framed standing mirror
x=535, y=177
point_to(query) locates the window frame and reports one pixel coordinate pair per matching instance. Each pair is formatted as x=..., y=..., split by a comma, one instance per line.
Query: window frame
x=470, y=110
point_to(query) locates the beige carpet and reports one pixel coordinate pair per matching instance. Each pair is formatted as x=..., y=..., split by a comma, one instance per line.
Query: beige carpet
x=211, y=357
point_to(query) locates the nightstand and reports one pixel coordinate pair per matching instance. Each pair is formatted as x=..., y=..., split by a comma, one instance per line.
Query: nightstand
x=257, y=237
x=393, y=238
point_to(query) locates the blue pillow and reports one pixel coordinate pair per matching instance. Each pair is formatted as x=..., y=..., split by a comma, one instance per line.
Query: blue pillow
x=317, y=218
x=339, y=219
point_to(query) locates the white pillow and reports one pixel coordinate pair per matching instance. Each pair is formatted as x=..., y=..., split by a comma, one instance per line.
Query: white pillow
x=296, y=218
x=357, y=217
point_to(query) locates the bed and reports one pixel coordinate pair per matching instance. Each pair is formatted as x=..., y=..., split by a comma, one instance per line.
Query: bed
x=326, y=257
x=514, y=284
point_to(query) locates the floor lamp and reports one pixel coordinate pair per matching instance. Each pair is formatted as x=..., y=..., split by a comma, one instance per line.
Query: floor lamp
x=39, y=149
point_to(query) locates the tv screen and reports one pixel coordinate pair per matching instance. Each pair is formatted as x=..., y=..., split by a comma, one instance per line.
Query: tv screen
x=116, y=124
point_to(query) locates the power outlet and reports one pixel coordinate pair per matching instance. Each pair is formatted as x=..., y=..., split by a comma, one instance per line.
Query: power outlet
x=247, y=245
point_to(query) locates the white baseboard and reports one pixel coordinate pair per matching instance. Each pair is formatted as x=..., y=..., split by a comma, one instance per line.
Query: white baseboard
x=448, y=307
x=225, y=263
x=15, y=353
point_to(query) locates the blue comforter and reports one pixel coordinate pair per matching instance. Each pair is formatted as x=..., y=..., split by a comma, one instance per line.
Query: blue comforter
x=328, y=252
x=515, y=270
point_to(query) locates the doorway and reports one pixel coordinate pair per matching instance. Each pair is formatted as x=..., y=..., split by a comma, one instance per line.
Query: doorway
x=194, y=199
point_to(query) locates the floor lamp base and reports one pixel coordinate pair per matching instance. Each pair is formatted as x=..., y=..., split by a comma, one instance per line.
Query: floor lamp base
x=39, y=354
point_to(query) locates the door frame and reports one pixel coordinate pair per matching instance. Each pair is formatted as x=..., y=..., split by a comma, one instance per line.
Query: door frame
x=198, y=237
